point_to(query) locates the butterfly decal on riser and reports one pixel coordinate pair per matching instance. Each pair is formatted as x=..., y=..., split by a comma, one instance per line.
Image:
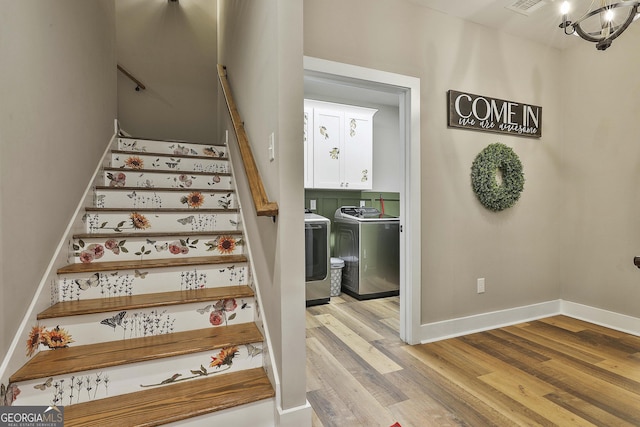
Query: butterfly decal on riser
x=115, y=320
x=91, y=282
x=45, y=385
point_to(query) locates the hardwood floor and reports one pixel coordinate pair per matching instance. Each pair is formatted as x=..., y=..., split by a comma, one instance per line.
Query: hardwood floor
x=556, y=371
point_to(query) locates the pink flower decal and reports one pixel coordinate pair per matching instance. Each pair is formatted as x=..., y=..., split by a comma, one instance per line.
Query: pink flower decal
x=230, y=304
x=111, y=244
x=98, y=250
x=86, y=257
x=216, y=318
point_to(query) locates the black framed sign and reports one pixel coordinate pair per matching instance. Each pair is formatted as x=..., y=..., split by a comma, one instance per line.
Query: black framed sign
x=486, y=114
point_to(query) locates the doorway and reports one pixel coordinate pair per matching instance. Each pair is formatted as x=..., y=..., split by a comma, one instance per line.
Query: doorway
x=405, y=91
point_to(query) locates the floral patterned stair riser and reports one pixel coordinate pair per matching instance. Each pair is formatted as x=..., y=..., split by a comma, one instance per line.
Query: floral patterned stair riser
x=125, y=324
x=126, y=160
x=87, y=386
x=175, y=148
x=81, y=286
x=136, y=221
x=166, y=179
x=188, y=198
x=139, y=248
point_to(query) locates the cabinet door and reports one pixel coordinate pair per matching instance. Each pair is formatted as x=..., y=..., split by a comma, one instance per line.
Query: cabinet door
x=327, y=148
x=358, y=151
x=308, y=148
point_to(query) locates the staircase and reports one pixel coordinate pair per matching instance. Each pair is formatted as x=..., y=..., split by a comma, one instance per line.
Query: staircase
x=154, y=318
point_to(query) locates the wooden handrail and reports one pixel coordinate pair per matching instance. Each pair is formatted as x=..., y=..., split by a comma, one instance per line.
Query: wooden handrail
x=139, y=84
x=262, y=204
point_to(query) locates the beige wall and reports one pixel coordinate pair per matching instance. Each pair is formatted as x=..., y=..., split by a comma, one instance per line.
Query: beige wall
x=58, y=92
x=260, y=44
x=171, y=48
x=517, y=251
x=601, y=168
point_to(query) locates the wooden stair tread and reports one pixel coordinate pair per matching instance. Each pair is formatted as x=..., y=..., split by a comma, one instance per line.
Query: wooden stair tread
x=176, y=172
x=161, y=210
x=156, y=234
x=167, y=189
x=173, y=402
x=50, y=363
x=149, y=263
x=102, y=305
x=176, y=156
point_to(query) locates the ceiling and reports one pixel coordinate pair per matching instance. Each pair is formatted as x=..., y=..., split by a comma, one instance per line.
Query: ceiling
x=341, y=89
x=538, y=23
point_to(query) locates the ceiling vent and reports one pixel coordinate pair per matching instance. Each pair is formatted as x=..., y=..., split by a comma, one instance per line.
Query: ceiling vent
x=526, y=7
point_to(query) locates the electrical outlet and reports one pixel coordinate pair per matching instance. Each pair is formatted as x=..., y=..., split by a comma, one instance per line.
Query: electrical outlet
x=362, y=203
x=312, y=204
x=480, y=285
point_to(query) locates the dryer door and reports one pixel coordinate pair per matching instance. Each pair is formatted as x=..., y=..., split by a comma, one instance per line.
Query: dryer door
x=316, y=253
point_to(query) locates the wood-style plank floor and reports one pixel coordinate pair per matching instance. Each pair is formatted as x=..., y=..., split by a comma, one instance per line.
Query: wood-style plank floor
x=556, y=371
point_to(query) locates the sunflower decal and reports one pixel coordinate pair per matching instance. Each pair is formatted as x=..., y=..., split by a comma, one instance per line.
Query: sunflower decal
x=134, y=162
x=193, y=200
x=224, y=357
x=139, y=222
x=54, y=338
x=226, y=244
x=34, y=340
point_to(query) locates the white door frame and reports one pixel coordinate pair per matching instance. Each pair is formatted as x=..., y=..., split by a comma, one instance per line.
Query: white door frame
x=408, y=89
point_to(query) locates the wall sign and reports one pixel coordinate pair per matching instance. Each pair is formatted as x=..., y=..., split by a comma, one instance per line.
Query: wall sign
x=482, y=113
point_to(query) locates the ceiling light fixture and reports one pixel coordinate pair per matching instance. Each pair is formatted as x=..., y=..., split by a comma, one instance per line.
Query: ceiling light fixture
x=601, y=25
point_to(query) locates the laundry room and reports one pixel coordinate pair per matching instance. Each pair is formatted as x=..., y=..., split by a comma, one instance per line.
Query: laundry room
x=353, y=185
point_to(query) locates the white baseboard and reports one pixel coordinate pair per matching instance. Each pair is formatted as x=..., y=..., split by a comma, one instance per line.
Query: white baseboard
x=299, y=416
x=598, y=316
x=452, y=328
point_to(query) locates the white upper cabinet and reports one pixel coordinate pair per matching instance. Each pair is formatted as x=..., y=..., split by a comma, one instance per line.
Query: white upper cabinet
x=308, y=147
x=338, y=146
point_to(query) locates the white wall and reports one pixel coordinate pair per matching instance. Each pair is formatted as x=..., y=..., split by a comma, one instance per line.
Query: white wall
x=58, y=91
x=601, y=158
x=517, y=251
x=171, y=47
x=387, y=164
x=261, y=45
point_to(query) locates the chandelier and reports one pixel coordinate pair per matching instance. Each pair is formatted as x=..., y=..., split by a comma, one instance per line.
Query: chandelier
x=601, y=24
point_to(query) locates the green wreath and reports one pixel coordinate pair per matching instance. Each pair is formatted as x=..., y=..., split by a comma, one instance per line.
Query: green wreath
x=492, y=195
